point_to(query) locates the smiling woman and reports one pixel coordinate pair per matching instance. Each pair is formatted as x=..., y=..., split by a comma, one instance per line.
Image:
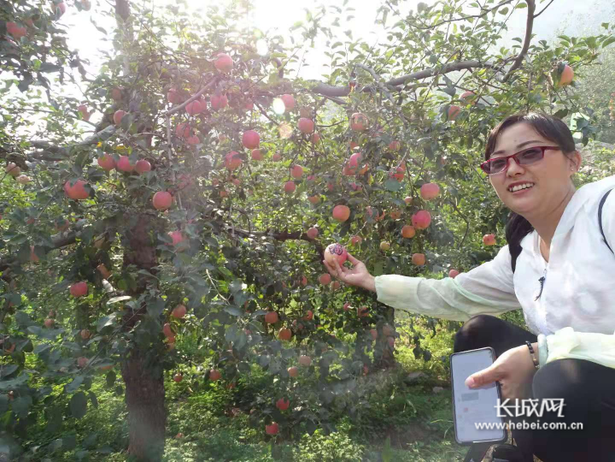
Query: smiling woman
x=569, y=351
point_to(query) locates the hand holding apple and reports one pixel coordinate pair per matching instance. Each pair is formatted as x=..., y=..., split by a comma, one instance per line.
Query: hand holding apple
x=355, y=276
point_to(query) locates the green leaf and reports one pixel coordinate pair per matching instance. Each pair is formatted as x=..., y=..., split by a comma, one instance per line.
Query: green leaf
x=78, y=405
x=74, y=385
x=48, y=67
x=233, y=311
x=21, y=406
x=5, y=371
x=392, y=185
x=608, y=41
x=106, y=321
x=155, y=307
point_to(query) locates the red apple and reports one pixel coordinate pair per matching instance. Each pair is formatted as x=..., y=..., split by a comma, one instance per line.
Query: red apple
x=60, y=9
x=13, y=170
x=251, y=139
x=271, y=317
x=305, y=361
x=341, y=213
x=312, y=233
x=218, y=102
x=195, y=107
x=489, y=239
x=116, y=94
x=347, y=306
x=85, y=334
x=124, y=165
x=282, y=404
x=418, y=259
x=106, y=162
x=178, y=377
x=167, y=331
x=272, y=429
x=76, y=190
x=177, y=237
x=285, y=334
x=334, y=251
x=143, y=166
x=16, y=31
x=82, y=361
x=23, y=179
x=453, y=273
x=232, y=160
x=179, y=312
x=193, y=140
x=183, y=130
x=293, y=371
x=567, y=76
x=408, y=231
x=223, y=62
x=289, y=101
x=49, y=323
x=430, y=191
x=421, y=219
x=276, y=157
x=314, y=199
x=162, y=200
x=358, y=122
x=257, y=154
x=296, y=171
x=173, y=96
x=83, y=109
x=355, y=240
x=290, y=187
x=453, y=112
x=118, y=116
x=324, y=279
x=305, y=125
x=79, y=289
x=215, y=375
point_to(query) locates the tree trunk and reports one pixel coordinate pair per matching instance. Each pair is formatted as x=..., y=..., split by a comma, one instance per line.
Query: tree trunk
x=142, y=371
x=145, y=400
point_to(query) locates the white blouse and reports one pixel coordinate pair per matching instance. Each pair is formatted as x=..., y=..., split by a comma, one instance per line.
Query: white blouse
x=578, y=295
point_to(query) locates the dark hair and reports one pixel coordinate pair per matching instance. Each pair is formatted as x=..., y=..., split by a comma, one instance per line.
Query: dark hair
x=550, y=128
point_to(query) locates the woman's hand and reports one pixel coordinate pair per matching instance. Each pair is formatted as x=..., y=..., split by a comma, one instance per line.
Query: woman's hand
x=355, y=276
x=514, y=369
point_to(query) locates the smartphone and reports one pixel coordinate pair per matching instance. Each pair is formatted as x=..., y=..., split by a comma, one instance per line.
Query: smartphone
x=475, y=407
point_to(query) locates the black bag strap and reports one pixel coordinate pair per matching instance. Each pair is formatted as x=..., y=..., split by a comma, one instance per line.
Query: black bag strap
x=602, y=201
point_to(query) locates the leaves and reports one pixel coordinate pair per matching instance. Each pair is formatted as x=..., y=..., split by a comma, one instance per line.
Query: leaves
x=78, y=405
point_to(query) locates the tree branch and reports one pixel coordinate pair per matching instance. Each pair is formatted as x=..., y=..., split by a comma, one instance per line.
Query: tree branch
x=543, y=10
x=531, y=7
x=486, y=12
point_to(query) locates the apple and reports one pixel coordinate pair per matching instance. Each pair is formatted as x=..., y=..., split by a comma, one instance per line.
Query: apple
x=315, y=137
x=179, y=311
x=60, y=9
x=251, y=139
x=421, y=219
x=334, y=251
x=85, y=334
x=358, y=122
x=257, y=154
x=49, y=323
x=468, y=97
x=223, y=62
x=167, y=331
x=567, y=76
x=176, y=236
x=395, y=214
x=394, y=146
x=304, y=281
x=453, y=273
x=271, y=317
x=118, y=116
x=285, y=334
x=195, y=107
x=162, y=200
x=489, y=239
x=173, y=96
x=362, y=311
x=290, y=186
x=408, y=231
x=106, y=162
x=296, y=171
x=347, y=306
x=178, y=377
x=289, y=101
x=324, y=279
x=305, y=361
x=282, y=404
x=355, y=240
x=312, y=233
x=193, y=140
x=309, y=316
x=183, y=130
x=83, y=109
x=16, y=31
x=306, y=125
x=79, y=289
x=214, y=375
x=418, y=259
x=453, y=112
x=77, y=190
x=12, y=169
x=335, y=285
x=272, y=429
x=314, y=199
x=82, y=361
x=276, y=157
x=23, y=179
x=293, y=371
x=232, y=160
x=408, y=200
x=143, y=166
x=374, y=334
x=218, y=102
x=124, y=165
x=430, y=191
x=384, y=246
x=341, y=213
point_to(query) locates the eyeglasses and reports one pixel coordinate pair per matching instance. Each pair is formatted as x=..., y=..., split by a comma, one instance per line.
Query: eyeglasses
x=526, y=157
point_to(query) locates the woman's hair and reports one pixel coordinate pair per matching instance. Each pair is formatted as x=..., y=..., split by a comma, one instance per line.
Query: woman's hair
x=550, y=128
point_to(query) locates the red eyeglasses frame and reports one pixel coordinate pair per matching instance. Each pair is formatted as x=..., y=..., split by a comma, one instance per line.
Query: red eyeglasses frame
x=484, y=165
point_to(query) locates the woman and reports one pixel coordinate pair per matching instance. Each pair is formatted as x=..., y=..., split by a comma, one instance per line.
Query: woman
x=558, y=268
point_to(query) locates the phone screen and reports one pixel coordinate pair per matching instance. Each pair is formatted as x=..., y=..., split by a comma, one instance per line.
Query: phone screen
x=477, y=406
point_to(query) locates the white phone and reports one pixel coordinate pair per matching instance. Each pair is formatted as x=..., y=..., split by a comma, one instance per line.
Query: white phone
x=474, y=409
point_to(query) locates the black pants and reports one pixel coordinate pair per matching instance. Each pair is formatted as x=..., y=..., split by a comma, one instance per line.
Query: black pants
x=588, y=390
